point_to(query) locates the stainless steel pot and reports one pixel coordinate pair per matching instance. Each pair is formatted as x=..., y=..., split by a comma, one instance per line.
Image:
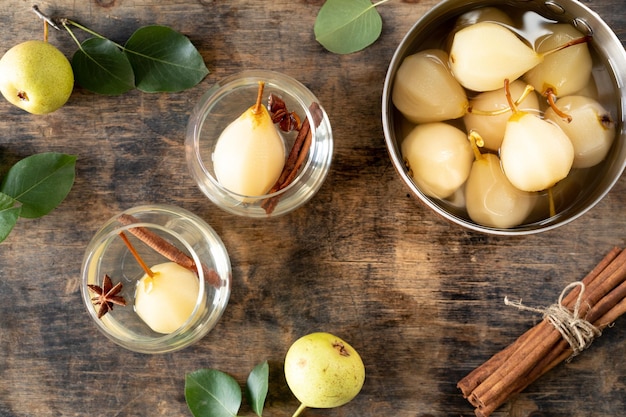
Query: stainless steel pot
x=610, y=79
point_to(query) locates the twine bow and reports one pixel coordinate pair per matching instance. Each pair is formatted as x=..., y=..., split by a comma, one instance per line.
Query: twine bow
x=577, y=331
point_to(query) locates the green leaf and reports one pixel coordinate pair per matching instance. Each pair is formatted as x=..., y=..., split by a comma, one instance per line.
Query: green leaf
x=346, y=26
x=164, y=60
x=8, y=215
x=101, y=67
x=40, y=182
x=257, y=387
x=212, y=393
x=6, y=201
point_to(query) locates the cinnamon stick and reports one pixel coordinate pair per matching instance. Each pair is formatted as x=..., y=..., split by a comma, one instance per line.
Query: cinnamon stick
x=476, y=377
x=168, y=250
x=297, y=155
x=563, y=351
x=542, y=347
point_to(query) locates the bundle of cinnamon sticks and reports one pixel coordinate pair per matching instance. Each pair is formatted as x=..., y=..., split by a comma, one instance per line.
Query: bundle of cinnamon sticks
x=599, y=300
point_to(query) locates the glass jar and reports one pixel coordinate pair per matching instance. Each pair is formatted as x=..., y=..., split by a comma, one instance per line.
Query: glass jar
x=224, y=103
x=108, y=254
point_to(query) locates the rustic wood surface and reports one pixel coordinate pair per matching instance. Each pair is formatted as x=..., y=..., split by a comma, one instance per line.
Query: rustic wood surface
x=420, y=299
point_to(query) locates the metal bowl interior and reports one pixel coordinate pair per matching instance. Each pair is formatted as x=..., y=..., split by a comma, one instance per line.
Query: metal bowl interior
x=609, y=74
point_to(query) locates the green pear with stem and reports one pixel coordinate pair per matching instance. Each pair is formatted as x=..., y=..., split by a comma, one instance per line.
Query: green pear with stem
x=36, y=77
x=323, y=371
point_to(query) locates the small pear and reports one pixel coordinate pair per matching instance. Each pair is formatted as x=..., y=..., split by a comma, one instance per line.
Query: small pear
x=491, y=199
x=482, y=14
x=250, y=153
x=483, y=55
x=166, y=300
x=35, y=76
x=323, y=371
x=591, y=129
x=425, y=91
x=563, y=72
x=535, y=153
x=439, y=158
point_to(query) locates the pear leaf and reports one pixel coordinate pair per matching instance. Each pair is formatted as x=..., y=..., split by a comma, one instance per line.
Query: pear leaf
x=101, y=67
x=164, y=60
x=344, y=27
x=40, y=182
x=8, y=215
x=6, y=201
x=257, y=387
x=212, y=393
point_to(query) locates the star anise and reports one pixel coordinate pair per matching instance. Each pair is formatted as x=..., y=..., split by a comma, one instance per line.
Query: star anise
x=107, y=296
x=287, y=121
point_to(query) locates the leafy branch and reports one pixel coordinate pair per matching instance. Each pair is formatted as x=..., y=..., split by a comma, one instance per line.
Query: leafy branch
x=33, y=187
x=344, y=27
x=154, y=59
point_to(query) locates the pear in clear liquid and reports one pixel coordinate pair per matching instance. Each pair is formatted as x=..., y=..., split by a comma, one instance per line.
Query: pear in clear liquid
x=250, y=153
x=489, y=112
x=491, y=199
x=482, y=14
x=483, y=55
x=425, y=91
x=439, y=158
x=565, y=71
x=591, y=129
x=535, y=153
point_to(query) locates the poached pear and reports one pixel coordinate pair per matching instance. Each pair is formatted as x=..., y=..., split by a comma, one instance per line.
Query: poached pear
x=535, y=153
x=491, y=199
x=439, y=158
x=250, y=153
x=591, y=129
x=425, y=91
x=484, y=54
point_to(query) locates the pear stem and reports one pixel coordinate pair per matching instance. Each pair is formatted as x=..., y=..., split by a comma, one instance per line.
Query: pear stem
x=299, y=410
x=573, y=42
x=132, y=250
x=259, y=99
x=527, y=90
x=507, y=92
x=476, y=141
x=552, y=102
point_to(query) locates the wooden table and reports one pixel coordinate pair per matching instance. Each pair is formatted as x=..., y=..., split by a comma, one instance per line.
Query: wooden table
x=420, y=299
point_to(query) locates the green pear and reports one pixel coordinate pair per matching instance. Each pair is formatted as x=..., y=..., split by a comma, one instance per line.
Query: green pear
x=36, y=77
x=323, y=371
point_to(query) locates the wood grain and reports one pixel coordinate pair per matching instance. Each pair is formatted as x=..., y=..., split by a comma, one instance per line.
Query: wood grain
x=419, y=298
